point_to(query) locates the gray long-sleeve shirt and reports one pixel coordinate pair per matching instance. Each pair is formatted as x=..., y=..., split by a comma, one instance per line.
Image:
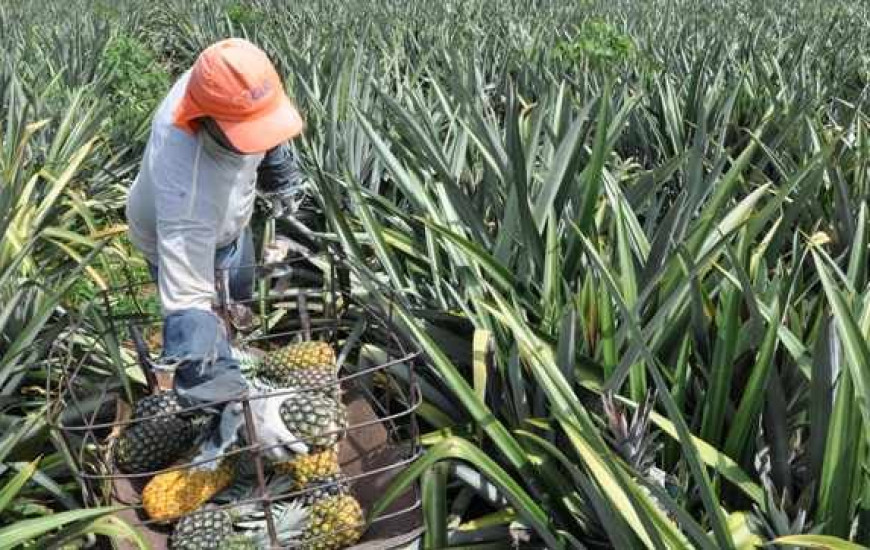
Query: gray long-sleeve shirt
x=192, y=196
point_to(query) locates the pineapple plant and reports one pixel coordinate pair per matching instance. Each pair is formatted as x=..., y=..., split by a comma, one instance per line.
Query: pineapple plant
x=307, y=468
x=156, y=443
x=632, y=438
x=317, y=419
x=204, y=530
x=173, y=494
x=278, y=365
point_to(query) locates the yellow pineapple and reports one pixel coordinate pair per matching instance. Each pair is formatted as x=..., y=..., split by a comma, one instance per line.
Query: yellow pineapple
x=306, y=356
x=333, y=523
x=310, y=467
x=173, y=494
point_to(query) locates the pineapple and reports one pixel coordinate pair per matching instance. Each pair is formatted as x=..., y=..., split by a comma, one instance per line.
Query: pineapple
x=333, y=523
x=309, y=380
x=173, y=494
x=250, y=359
x=308, y=356
x=322, y=488
x=317, y=419
x=324, y=518
x=310, y=467
x=242, y=541
x=156, y=443
x=205, y=530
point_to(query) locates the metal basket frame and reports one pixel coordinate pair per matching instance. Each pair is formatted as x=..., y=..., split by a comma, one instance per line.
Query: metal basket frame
x=86, y=444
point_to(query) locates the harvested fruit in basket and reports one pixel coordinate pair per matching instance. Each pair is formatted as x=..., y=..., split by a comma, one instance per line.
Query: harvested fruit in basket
x=307, y=356
x=305, y=469
x=333, y=522
x=314, y=380
x=156, y=443
x=331, y=519
x=322, y=488
x=317, y=419
x=173, y=494
x=204, y=530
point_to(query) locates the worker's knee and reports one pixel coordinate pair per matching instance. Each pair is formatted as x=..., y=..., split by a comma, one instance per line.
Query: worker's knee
x=194, y=335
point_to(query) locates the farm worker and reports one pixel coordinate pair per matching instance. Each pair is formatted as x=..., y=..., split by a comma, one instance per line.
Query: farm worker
x=220, y=135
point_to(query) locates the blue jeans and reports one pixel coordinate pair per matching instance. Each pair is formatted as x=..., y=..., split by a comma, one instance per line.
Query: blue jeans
x=196, y=341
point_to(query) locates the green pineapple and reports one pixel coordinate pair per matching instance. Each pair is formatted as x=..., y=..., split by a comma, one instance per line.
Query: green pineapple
x=314, y=380
x=205, y=530
x=250, y=359
x=158, y=442
x=317, y=419
x=241, y=541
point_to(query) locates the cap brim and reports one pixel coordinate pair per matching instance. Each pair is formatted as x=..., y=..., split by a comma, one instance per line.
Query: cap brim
x=261, y=134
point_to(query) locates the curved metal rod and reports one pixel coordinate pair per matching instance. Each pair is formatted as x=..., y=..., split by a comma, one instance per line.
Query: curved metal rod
x=253, y=447
x=248, y=398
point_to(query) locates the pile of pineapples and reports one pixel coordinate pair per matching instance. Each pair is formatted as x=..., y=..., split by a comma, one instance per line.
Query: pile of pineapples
x=325, y=517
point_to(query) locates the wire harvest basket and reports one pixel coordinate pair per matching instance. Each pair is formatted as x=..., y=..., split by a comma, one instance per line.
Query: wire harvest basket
x=302, y=299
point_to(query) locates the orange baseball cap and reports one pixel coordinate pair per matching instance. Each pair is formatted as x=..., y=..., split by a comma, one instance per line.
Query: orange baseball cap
x=233, y=82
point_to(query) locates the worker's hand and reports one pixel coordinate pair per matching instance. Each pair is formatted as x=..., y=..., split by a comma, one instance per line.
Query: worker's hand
x=279, y=444
x=283, y=204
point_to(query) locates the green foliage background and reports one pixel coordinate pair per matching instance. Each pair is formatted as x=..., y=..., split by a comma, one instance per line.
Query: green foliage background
x=584, y=206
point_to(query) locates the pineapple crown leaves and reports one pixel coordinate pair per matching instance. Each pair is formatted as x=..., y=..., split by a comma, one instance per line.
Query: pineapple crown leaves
x=631, y=438
x=783, y=513
x=290, y=520
x=245, y=485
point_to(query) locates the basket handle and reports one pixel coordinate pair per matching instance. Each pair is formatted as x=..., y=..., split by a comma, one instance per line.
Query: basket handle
x=144, y=356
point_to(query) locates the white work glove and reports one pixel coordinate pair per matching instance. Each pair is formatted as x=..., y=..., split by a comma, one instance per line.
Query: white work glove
x=279, y=443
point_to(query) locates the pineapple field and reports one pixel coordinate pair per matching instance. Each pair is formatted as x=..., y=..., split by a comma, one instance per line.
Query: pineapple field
x=599, y=269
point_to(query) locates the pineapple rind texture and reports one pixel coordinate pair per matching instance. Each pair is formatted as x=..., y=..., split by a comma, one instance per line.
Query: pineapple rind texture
x=309, y=380
x=310, y=467
x=158, y=442
x=240, y=542
x=204, y=530
x=333, y=523
x=324, y=488
x=173, y=494
x=317, y=356
x=317, y=419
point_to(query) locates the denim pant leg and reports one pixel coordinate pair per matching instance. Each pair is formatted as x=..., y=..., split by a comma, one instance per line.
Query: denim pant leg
x=238, y=259
x=206, y=370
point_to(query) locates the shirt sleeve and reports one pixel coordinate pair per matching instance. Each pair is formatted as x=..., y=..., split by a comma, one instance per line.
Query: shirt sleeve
x=188, y=217
x=279, y=171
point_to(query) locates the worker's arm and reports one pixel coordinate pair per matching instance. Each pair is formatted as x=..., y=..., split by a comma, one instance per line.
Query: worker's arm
x=279, y=179
x=188, y=217
x=191, y=201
